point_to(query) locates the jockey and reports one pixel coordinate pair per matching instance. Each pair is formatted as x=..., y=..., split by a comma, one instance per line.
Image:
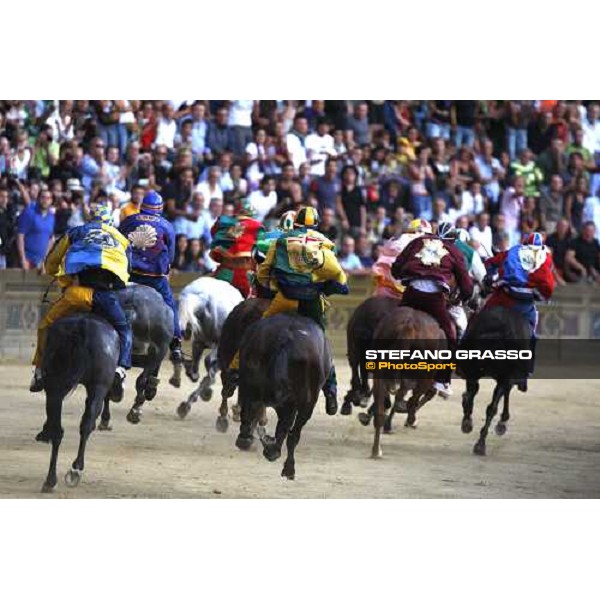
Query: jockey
x=153, y=241
x=90, y=262
x=385, y=284
x=259, y=252
x=232, y=241
x=524, y=275
x=301, y=268
x=429, y=267
x=475, y=268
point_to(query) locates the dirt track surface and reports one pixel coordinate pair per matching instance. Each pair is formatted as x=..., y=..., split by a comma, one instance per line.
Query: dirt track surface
x=551, y=449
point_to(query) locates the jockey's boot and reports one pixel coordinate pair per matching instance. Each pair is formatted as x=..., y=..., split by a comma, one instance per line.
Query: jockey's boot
x=330, y=391
x=37, y=381
x=176, y=353
x=116, y=392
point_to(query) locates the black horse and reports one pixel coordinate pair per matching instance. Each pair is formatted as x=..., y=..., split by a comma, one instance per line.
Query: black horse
x=496, y=328
x=284, y=362
x=81, y=349
x=152, y=328
x=359, y=332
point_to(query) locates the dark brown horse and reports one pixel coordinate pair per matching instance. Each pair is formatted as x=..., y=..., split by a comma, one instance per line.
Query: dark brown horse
x=411, y=330
x=493, y=329
x=239, y=319
x=359, y=332
x=284, y=362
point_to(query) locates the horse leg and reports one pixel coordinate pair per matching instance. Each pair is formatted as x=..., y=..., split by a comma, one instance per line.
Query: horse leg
x=379, y=414
x=399, y=406
x=211, y=365
x=289, y=467
x=490, y=413
x=412, y=406
x=192, y=367
x=285, y=419
x=135, y=413
x=93, y=407
x=467, y=404
x=351, y=396
x=501, y=426
x=364, y=391
x=105, y=417
x=53, y=432
x=245, y=437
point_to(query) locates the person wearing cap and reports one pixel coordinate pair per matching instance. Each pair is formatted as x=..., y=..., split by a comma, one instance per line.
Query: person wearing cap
x=524, y=274
x=385, y=284
x=153, y=241
x=90, y=263
x=432, y=269
x=233, y=238
x=300, y=269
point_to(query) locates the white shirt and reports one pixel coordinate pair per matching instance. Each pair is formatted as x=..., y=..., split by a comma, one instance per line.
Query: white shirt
x=253, y=172
x=471, y=204
x=296, y=149
x=484, y=238
x=165, y=133
x=591, y=212
x=262, y=204
x=240, y=113
x=591, y=135
x=207, y=193
x=319, y=148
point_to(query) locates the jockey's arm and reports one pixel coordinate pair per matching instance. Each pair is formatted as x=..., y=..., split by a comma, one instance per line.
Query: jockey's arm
x=263, y=273
x=542, y=280
x=170, y=241
x=55, y=256
x=477, y=269
x=332, y=275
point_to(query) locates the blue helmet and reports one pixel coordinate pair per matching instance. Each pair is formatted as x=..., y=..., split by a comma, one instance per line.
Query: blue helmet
x=533, y=239
x=152, y=203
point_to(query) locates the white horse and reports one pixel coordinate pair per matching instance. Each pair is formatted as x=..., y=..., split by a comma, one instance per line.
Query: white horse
x=204, y=305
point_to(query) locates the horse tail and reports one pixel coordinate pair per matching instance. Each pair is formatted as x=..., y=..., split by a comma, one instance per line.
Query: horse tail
x=188, y=306
x=64, y=359
x=277, y=370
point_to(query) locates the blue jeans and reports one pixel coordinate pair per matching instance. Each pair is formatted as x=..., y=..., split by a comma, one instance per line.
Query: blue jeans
x=464, y=136
x=161, y=285
x=109, y=134
x=435, y=130
x=106, y=305
x=516, y=142
x=421, y=207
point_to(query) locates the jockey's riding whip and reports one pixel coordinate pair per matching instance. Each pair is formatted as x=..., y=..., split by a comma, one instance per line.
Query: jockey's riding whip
x=45, y=296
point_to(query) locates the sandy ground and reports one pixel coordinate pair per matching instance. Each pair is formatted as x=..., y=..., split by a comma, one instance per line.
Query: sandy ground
x=552, y=449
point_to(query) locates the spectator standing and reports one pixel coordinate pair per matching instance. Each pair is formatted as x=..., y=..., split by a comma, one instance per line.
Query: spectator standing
x=575, y=201
x=349, y=261
x=240, y=122
x=591, y=210
x=351, y=205
x=166, y=127
x=518, y=115
x=421, y=178
x=319, y=147
x=263, y=200
x=481, y=232
x=8, y=225
x=177, y=194
x=36, y=232
x=219, y=137
x=200, y=129
x=532, y=175
x=358, y=124
x=591, y=129
x=296, y=141
x=258, y=159
x=552, y=204
x=325, y=189
x=438, y=122
x=135, y=201
x=92, y=166
x=490, y=172
x=510, y=209
x=463, y=119
x=559, y=242
x=211, y=188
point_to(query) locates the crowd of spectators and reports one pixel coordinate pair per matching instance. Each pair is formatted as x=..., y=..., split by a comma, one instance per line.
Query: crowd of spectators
x=496, y=168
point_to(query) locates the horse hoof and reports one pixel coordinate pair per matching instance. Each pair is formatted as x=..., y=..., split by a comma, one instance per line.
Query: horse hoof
x=206, y=394
x=134, y=416
x=150, y=393
x=235, y=413
x=48, y=488
x=288, y=474
x=222, y=424
x=500, y=428
x=175, y=381
x=244, y=443
x=364, y=419
x=376, y=454
x=479, y=448
x=271, y=452
x=72, y=477
x=104, y=426
x=466, y=426
x=193, y=397
x=43, y=436
x=411, y=422
x=387, y=427
x=364, y=401
x=183, y=409
x=346, y=408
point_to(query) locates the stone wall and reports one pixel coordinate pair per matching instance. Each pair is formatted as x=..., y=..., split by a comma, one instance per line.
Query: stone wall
x=574, y=311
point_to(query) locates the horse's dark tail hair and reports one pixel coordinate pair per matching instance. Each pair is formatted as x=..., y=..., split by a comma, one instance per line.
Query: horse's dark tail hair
x=64, y=363
x=277, y=370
